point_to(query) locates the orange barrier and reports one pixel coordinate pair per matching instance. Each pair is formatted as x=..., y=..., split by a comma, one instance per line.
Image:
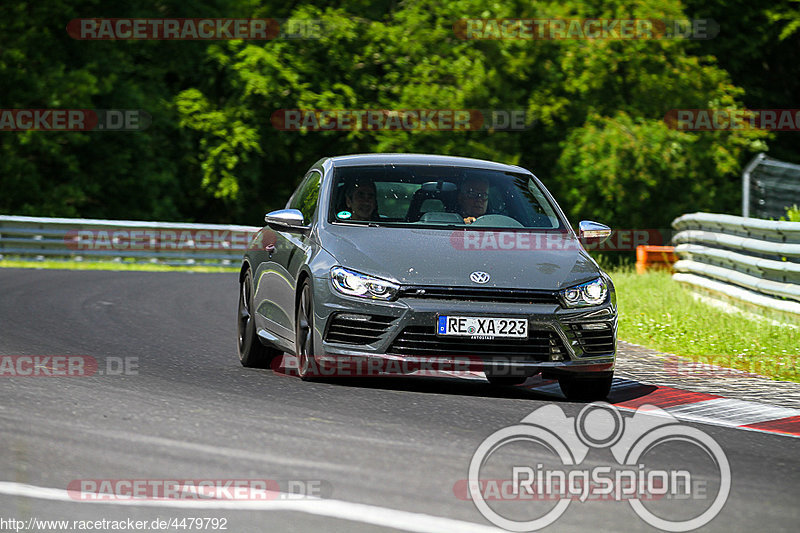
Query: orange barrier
x=649, y=257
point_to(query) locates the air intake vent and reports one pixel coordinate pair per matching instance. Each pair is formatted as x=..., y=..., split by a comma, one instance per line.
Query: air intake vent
x=351, y=328
x=594, y=341
x=422, y=341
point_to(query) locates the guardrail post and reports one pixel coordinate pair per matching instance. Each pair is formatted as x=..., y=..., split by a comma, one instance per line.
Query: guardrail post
x=746, y=183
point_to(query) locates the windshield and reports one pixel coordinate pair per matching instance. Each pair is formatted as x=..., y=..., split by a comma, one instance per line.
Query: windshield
x=439, y=196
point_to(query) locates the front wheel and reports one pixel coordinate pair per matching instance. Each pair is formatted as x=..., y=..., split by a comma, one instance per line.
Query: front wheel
x=252, y=353
x=586, y=389
x=304, y=329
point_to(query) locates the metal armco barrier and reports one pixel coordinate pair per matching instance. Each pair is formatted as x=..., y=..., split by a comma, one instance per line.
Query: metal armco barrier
x=753, y=260
x=91, y=239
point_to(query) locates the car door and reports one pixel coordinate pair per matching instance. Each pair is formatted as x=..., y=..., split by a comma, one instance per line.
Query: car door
x=277, y=276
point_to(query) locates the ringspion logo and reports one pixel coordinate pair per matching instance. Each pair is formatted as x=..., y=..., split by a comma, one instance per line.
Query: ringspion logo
x=645, y=469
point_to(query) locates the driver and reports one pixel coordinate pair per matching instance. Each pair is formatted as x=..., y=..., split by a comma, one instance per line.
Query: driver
x=360, y=198
x=473, y=198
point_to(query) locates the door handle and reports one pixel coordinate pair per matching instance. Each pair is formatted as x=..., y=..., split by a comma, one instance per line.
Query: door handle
x=270, y=248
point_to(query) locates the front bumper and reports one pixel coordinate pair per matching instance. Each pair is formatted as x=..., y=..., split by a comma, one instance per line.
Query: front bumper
x=561, y=341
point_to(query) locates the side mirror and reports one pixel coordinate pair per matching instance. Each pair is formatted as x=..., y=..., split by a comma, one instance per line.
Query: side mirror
x=290, y=220
x=593, y=232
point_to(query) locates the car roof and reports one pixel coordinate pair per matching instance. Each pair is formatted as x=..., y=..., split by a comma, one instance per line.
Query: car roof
x=421, y=159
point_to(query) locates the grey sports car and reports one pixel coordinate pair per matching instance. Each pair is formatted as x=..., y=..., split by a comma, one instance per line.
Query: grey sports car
x=427, y=260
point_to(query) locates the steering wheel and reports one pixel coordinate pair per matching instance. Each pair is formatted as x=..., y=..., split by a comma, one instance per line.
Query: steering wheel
x=500, y=221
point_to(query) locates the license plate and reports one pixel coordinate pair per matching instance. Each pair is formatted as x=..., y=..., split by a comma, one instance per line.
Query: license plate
x=482, y=327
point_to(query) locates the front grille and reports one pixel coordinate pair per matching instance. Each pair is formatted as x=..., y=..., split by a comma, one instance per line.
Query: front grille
x=351, y=328
x=481, y=294
x=594, y=341
x=423, y=341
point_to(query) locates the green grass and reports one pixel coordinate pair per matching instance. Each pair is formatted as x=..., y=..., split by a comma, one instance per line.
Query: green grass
x=656, y=312
x=111, y=265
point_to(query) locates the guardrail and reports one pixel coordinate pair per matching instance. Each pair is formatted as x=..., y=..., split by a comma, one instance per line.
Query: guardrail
x=117, y=240
x=751, y=260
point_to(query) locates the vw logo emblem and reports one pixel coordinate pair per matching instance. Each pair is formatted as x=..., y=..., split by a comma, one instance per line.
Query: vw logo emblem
x=479, y=277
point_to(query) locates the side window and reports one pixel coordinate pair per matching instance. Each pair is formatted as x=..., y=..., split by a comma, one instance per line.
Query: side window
x=307, y=195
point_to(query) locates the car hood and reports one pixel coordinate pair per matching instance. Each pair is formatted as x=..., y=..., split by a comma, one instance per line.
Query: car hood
x=415, y=256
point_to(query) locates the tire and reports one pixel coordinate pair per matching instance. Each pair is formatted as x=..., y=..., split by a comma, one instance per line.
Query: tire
x=304, y=333
x=586, y=389
x=252, y=354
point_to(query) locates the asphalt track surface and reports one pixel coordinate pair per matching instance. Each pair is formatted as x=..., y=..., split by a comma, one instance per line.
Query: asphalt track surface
x=190, y=411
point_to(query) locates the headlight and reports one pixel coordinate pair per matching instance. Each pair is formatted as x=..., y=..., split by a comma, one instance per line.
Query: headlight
x=357, y=284
x=585, y=294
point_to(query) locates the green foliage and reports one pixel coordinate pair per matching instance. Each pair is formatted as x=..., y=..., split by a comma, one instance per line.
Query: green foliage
x=792, y=214
x=757, y=46
x=153, y=174
x=788, y=16
x=639, y=173
x=598, y=138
